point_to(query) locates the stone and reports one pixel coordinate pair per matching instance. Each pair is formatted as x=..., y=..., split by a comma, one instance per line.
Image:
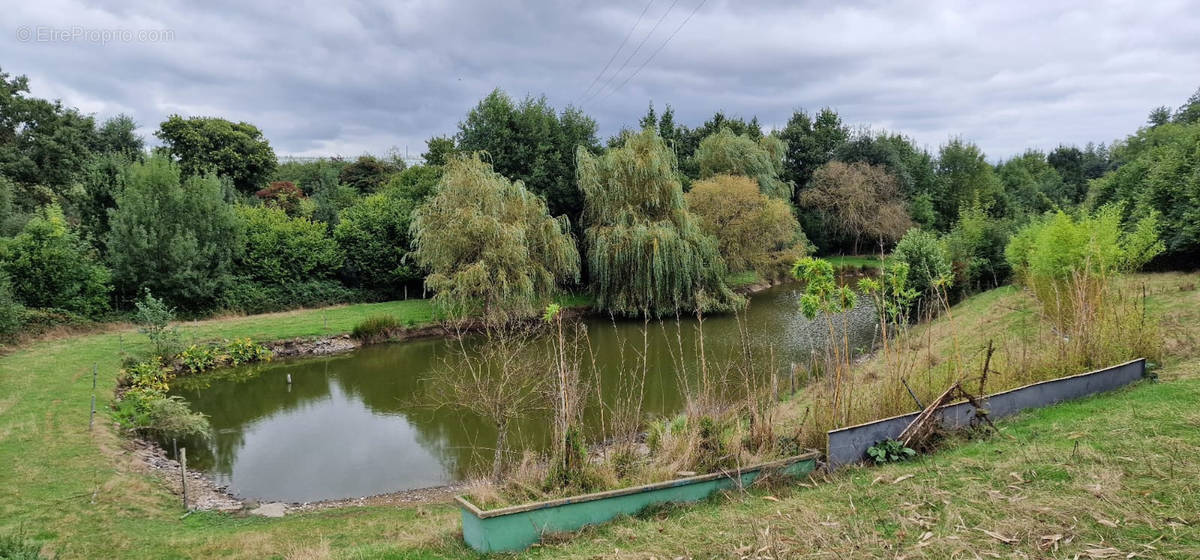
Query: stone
x=273, y=509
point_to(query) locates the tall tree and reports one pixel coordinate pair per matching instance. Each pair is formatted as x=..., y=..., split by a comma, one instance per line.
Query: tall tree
x=811, y=142
x=202, y=145
x=528, y=141
x=118, y=135
x=374, y=237
x=173, y=235
x=964, y=177
x=646, y=253
x=862, y=201
x=490, y=245
x=1189, y=112
x=753, y=231
x=41, y=142
x=736, y=154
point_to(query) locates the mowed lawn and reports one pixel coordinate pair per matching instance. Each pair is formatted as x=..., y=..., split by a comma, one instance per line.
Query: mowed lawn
x=1105, y=477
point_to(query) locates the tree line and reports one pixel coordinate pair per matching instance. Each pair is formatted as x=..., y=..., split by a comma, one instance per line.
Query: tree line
x=524, y=201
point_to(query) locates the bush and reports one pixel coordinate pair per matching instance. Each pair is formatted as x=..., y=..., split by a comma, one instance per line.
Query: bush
x=890, y=451
x=280, y=249
x=976, y=247
x=248, y=296
x=197, y=358
x=928, y=264
x=171, y=417
x=374, y=236
x=243, y=351
x=375, y=328
x=51, y=267
x=752, y=230
x=153, y=318
x=11, y=312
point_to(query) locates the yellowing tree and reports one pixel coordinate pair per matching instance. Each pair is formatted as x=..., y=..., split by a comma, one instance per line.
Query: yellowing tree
x=752, y=230
x=861, y=200
x=490, y=246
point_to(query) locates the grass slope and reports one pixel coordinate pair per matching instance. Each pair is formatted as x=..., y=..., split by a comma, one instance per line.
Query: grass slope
x=1103, y=477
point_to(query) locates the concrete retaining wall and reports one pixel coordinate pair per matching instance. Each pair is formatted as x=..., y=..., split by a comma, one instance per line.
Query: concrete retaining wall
x=849, y=445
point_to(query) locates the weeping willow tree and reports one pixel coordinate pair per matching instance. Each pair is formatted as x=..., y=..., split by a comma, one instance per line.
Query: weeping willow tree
x=736, y=154
x=646, y=253
x=490, y=246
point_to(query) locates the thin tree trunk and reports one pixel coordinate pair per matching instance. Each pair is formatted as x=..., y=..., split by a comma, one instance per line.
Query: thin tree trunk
x=498, y=460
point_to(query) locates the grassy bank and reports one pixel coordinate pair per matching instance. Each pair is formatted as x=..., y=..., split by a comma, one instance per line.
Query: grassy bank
x=1109, y=472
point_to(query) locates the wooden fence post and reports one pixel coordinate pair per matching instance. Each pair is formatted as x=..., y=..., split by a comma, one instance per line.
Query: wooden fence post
x=183, y=475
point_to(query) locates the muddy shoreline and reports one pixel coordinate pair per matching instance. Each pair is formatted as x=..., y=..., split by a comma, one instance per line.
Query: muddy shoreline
x=204, y=494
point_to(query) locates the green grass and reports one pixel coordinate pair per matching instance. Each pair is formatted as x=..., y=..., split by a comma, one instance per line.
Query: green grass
x=740, y=279
x=855, y=261
x=1116, y=471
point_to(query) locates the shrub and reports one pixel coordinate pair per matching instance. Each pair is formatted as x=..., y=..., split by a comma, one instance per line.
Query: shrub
x=374, y=236
x=890, y=451
x=282, y=194
x=11, y=312
x=197, y=358
x=150, y=377
x=244, y=351
x=153, y=318
x=247, y=296
x=375, y=328
x=976, y=246
x=51, y=267
x=928, y=264
x=171, y=417
x=280, y=249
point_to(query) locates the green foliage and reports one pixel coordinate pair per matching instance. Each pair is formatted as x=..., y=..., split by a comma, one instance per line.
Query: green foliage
x=249, y=296
x=929, y=267
x=1031, y=183
x=244, y=351
x=176, y=238
x=726, y=153
x=375, y=328
x=208, y=145
x=368, y=173
x=890, y=292
x=1058, y=246
x=306, y=174
x=42, y=142
x=890, y=451
x=12, y=313
x=1160, y=177
x=49, y=266
x=14, y=546
x=529, y=142
x=822, y=294
x=439, y=149
x=102, y=178
x=281, y=249
x=810, y=143
x=150, y=377
x=416, y=183
x=153, y=318
x=646, y=253
x=374, y=235
x=171, y=417
x=490, y=245
x=975, y=245
x=964, y=177
x=753, y=232
x=118, y=136
x=899, y=155
x=1189, y=112
x=197, y=358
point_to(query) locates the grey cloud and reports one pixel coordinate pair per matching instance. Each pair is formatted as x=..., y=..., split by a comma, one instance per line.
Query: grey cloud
x=324, y=79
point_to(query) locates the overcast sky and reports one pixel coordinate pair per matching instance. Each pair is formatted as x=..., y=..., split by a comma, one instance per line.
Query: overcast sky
x=325, y=79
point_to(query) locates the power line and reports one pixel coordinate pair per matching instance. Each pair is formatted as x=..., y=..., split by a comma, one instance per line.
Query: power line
x=634, y=53
x=656, y=51
x=619, y=47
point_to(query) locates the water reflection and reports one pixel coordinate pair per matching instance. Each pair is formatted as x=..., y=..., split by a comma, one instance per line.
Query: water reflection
x=357, y=425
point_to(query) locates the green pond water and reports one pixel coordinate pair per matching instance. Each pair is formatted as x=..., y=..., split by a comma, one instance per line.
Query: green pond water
x=359, y=424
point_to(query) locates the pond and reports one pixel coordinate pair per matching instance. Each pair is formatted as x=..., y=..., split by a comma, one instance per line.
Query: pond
x=356, y=424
